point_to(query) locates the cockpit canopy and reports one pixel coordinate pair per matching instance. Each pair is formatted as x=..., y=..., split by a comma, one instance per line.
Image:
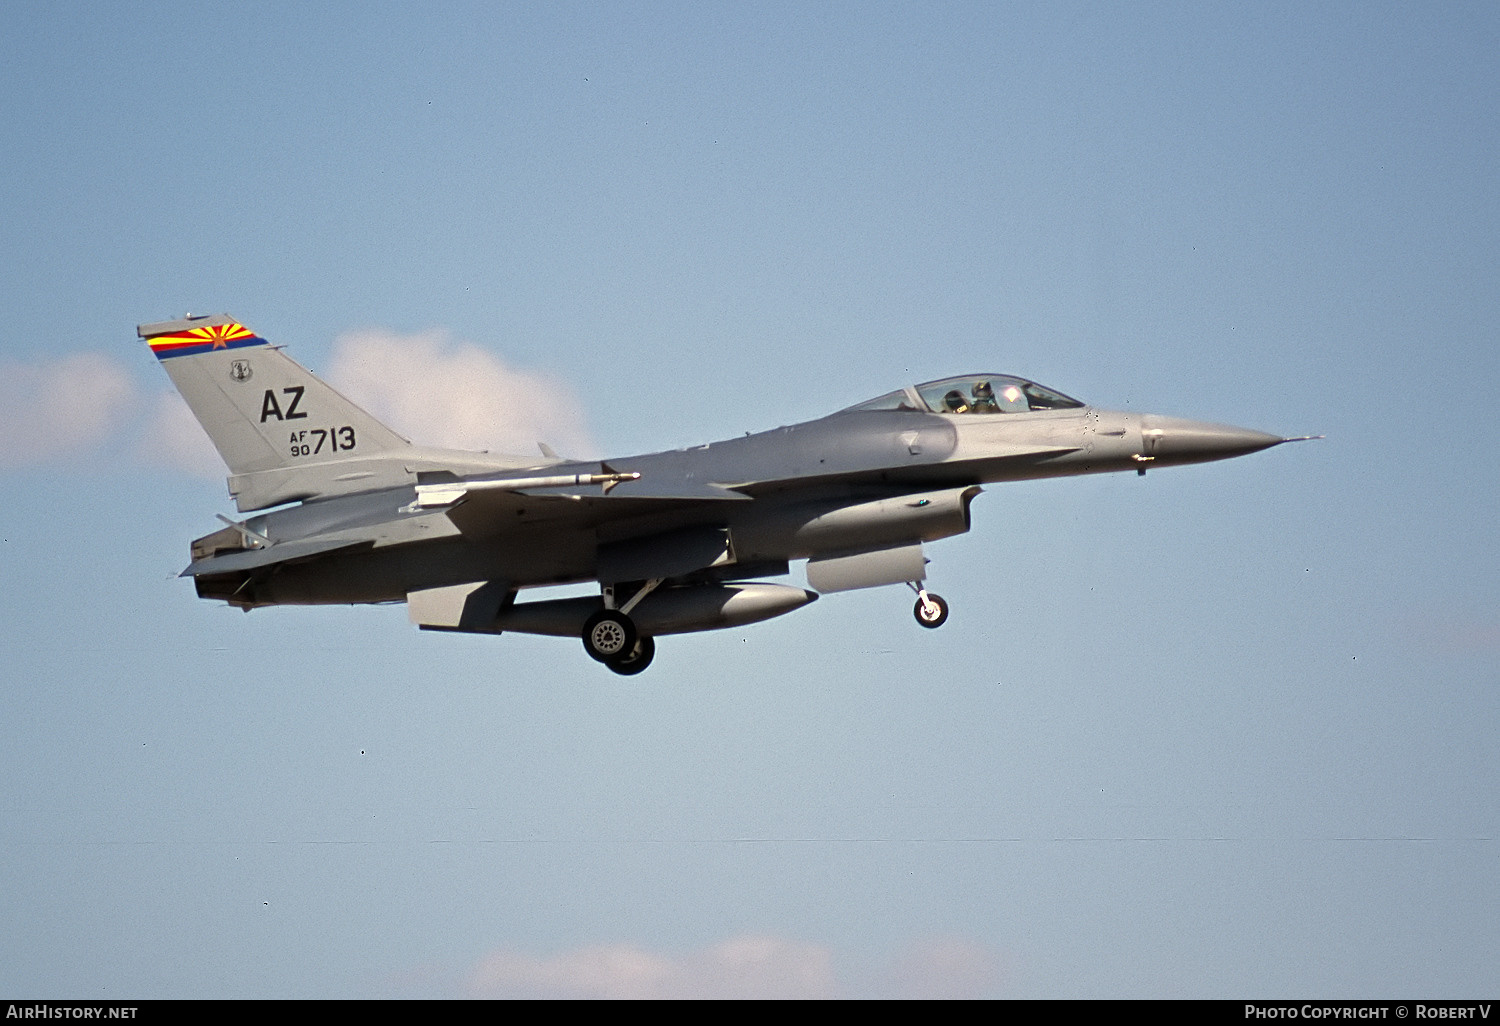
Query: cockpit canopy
x=976, y=393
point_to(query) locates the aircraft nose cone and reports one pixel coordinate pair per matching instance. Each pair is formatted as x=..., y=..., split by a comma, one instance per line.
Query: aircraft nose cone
x=1175, y=440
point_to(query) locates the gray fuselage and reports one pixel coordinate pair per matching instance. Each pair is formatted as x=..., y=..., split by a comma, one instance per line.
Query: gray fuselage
x=855, y=480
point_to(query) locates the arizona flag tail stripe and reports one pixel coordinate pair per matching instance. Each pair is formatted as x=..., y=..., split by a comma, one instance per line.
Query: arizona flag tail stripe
x=204, y=340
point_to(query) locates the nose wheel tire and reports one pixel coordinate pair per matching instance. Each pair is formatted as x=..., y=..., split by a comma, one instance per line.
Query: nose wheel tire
x=931, y=610
x=609, y=635
x=638, y=659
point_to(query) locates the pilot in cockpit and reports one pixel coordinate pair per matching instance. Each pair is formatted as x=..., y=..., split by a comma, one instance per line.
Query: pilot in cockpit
x=954, y=402
x=984, y=398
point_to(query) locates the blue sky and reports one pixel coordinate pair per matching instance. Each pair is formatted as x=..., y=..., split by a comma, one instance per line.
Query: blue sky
x=1222, y=731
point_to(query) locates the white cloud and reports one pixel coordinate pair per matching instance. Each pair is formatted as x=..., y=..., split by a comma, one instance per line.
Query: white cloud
x=172, y=437
x=751, y=966
x=438, y=392
x=1450, y=632
x=746, y=967
x=944, y=968
x=71, y=406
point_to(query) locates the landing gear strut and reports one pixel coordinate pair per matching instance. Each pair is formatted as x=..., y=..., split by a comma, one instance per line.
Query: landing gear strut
x=931, y=610
x=611, y=636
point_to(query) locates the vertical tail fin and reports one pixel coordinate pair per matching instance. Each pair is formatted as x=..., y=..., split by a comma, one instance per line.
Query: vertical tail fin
x=262, y=410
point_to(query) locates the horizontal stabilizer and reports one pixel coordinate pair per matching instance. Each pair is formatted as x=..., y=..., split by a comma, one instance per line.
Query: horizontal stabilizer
x=270, y=555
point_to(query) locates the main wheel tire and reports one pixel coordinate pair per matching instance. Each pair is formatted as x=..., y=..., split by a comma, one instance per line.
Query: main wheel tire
x=931, y=611
x=609, y=634
x=639, y=658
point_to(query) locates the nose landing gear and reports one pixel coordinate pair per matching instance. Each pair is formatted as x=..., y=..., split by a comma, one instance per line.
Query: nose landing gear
x=931, y=610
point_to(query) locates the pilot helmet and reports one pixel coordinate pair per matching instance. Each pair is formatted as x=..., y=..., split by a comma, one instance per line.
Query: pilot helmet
x=982, y=390
x=955, y=401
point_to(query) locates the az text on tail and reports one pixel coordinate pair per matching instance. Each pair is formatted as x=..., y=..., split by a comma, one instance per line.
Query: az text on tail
x=260, y=407
x=285, y=435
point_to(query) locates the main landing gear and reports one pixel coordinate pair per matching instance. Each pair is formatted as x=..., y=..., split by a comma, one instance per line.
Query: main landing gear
x=931, y=610
x=641, y=654
x=610, y=635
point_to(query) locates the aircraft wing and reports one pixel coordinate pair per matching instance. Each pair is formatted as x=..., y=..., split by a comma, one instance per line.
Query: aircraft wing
x=648, y=492
x=440, y=490
x=479, y=507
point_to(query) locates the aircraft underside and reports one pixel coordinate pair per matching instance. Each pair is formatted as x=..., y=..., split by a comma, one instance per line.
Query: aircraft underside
x=694, y=577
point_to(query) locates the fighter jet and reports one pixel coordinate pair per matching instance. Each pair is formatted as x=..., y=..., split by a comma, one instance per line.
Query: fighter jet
x=676, y=541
